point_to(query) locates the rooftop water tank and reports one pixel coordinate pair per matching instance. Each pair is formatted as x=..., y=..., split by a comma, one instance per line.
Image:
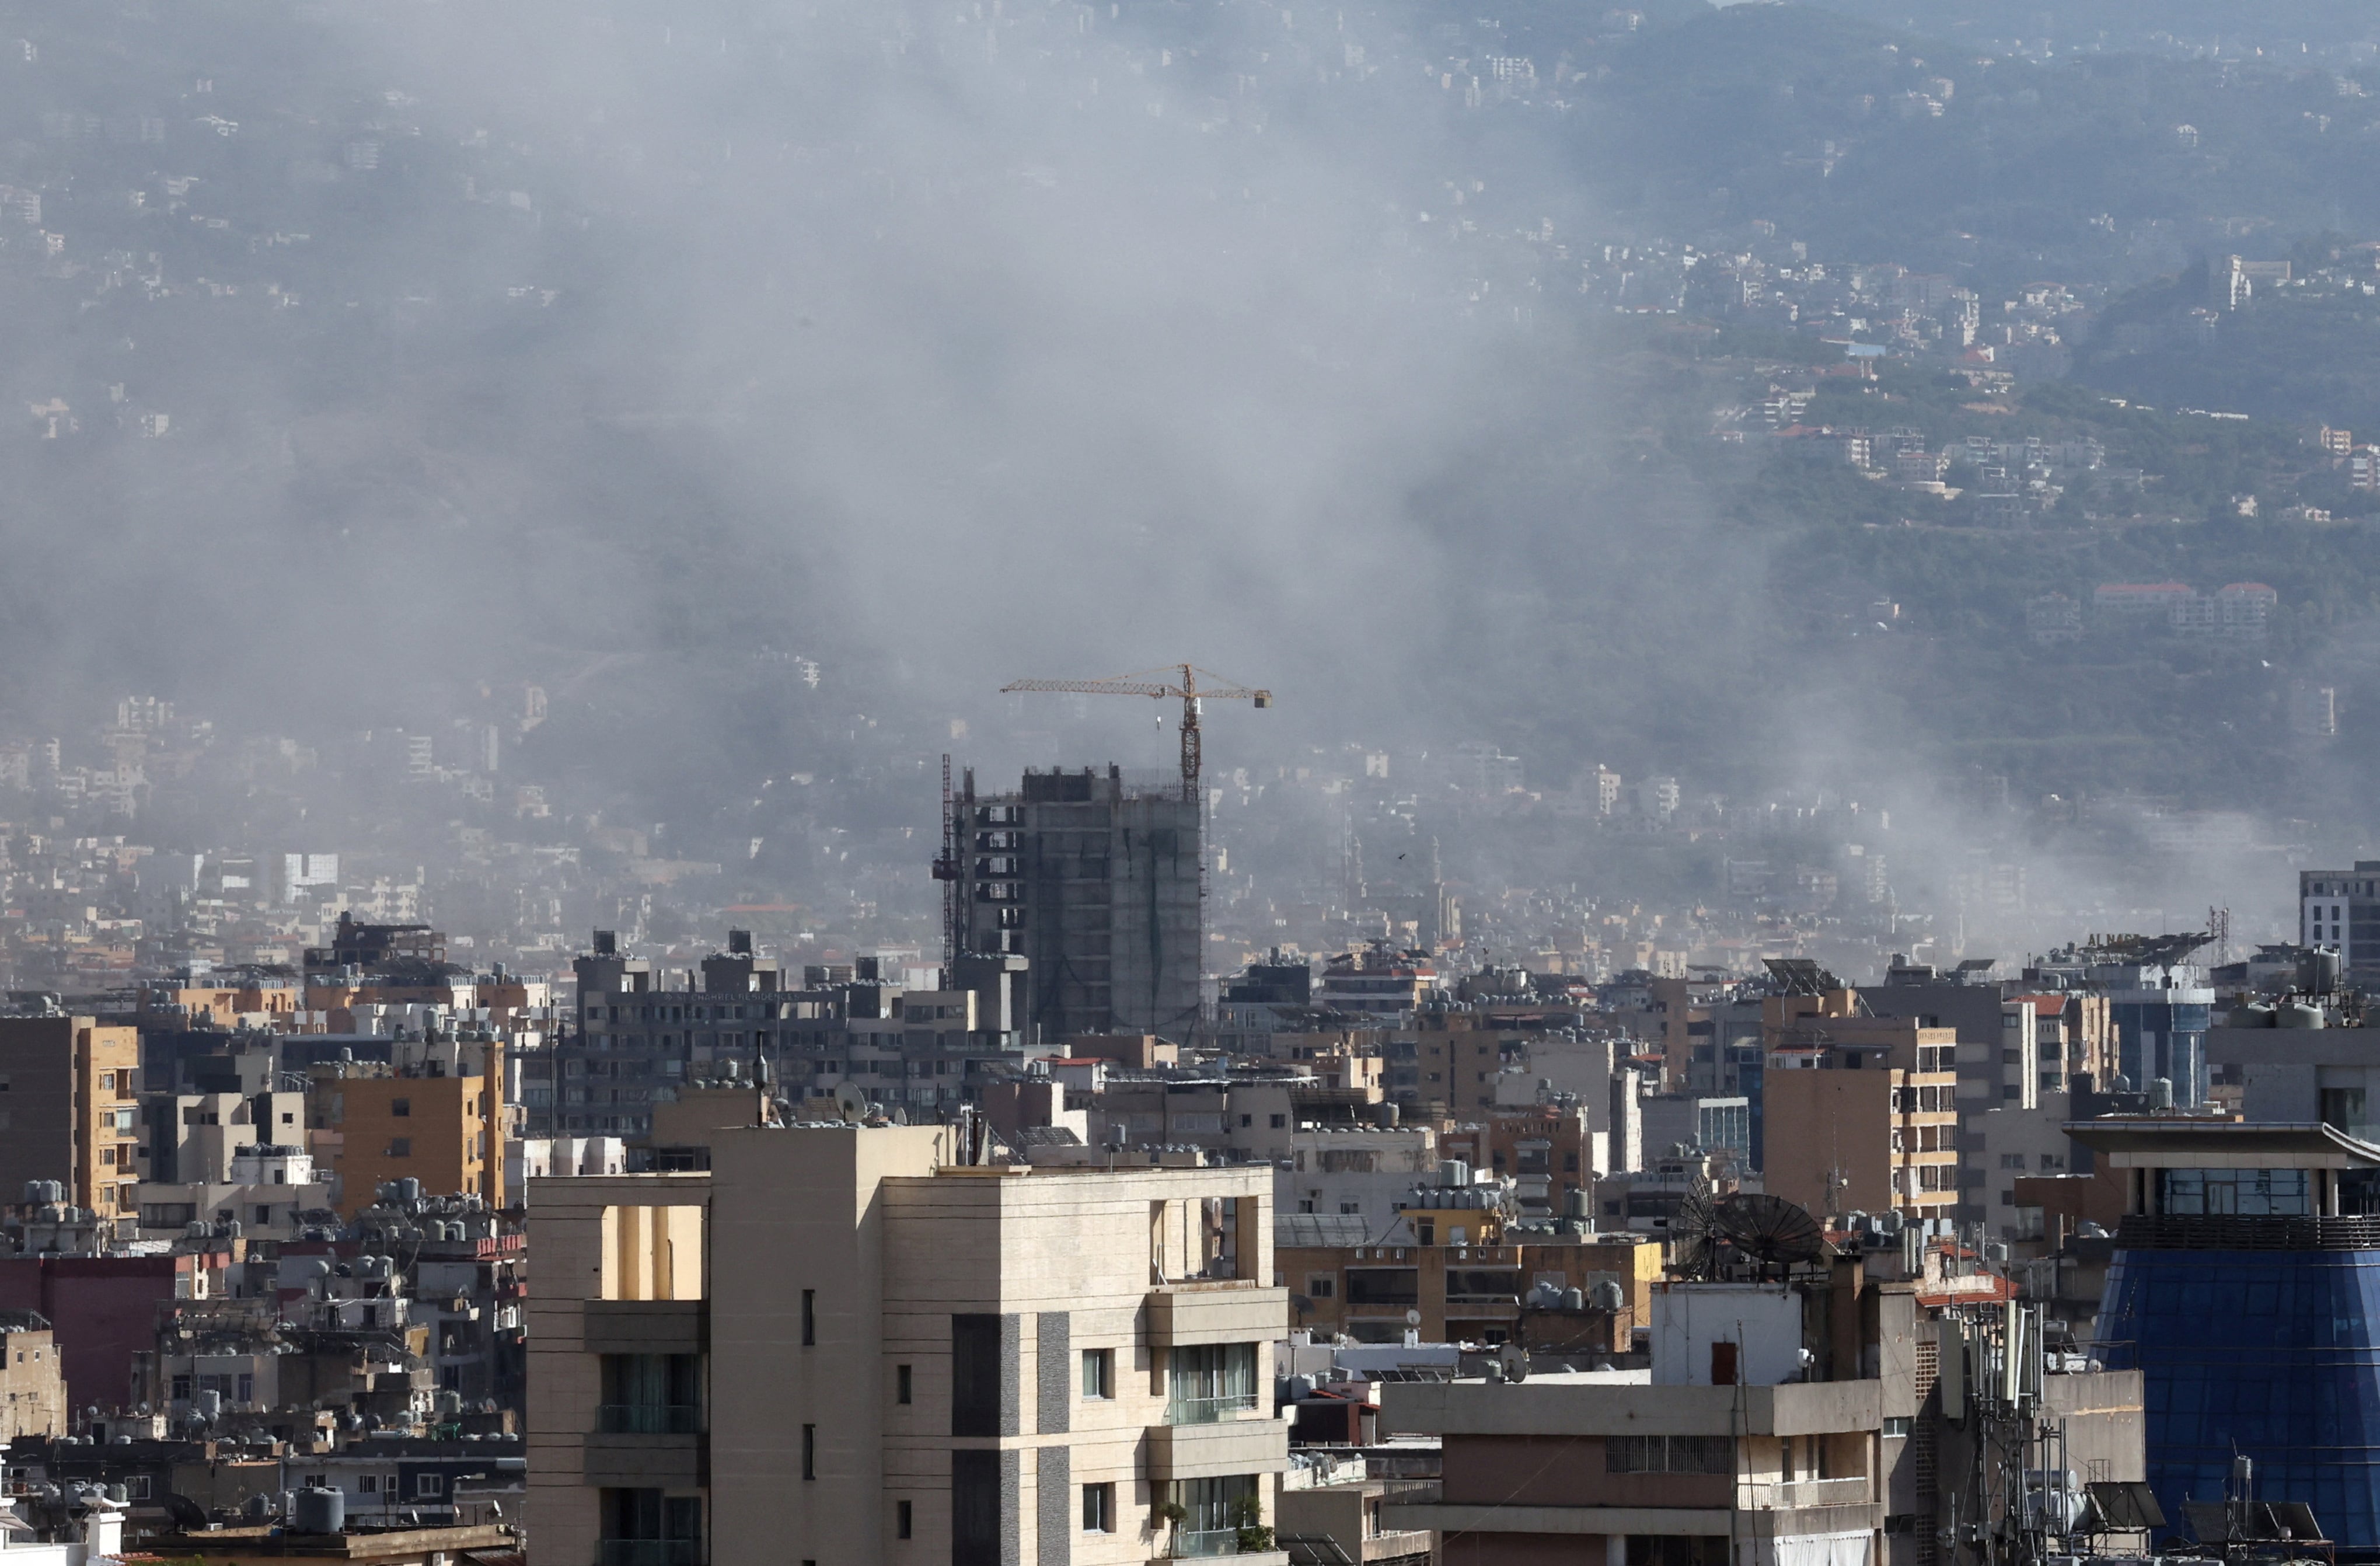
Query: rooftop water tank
x=319, y=1512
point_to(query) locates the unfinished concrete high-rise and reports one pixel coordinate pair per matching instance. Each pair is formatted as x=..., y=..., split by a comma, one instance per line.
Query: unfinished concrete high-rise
x=1094, y=879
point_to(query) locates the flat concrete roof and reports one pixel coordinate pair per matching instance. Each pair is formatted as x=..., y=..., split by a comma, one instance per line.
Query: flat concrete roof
x=2192, y=1141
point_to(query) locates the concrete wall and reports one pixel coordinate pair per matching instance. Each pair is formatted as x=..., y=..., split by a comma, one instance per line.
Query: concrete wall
x=1824, y=1121
x=1763, y=1324
x=32, y=1386
x=102, y=1310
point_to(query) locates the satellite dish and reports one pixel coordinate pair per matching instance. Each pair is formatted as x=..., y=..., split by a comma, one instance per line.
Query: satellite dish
x=1412, y=1318
x=850, y=1102
x=1770, y=1228
x=1693, y=1229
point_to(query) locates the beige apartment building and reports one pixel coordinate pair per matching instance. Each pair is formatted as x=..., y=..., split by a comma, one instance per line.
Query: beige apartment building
x=32, y=1378
x=843, y=1344
x=69, y=1109
x=1863, y=1117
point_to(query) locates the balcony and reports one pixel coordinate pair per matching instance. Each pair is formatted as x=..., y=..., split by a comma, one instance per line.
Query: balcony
x=1210, y=1411
x=1455, y=1408
x=646, y=1326
x=1797, y=1494
x=1191, y=1544
x=1224, y=1310
x=1229, y=1548
x=1243, y=1442
x=648, y=1419
x=649, y=1552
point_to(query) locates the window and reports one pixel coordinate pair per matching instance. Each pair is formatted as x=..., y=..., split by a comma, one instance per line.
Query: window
x=900, y=1384
x=368, y=1484
x=1321, y=1286
x=1384, y=1285
x=1214, y=1508
x=651, y=1394
x=136, y=1486
x=1098, y=1373
x=1668, y=1454
x=809, y=1452
x=975, y=1508
x=646, y=1517
x=2012, y=1160
x=1895, y=1429
x=400, y=1147
x=1280, y=1123
x=401, y=1107
x=975, y=1374
x=810, y=1318
x=1246, y=1121
x=2245, y=1193
x=1098, y=1509
x=107, y=1080
x=429, y=1484
x=901, y=1519
x=1210, y=1381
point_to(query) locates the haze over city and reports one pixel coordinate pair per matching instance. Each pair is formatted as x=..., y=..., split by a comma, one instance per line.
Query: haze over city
x=612, y=948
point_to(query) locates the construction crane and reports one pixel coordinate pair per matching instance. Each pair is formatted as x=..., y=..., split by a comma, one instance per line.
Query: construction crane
x=1175, y=680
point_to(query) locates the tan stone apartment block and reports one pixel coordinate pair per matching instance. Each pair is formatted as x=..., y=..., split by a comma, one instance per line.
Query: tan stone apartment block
x=839, y=1344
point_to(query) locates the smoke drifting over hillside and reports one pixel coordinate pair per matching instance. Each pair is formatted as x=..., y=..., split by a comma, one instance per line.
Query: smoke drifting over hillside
x=649, y=354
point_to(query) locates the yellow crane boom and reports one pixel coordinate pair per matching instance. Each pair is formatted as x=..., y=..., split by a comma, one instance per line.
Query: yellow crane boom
x=1178, y=680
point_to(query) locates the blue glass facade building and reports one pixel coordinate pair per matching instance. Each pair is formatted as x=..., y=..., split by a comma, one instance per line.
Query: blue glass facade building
x=2271, y=1354
x=2245, y=1289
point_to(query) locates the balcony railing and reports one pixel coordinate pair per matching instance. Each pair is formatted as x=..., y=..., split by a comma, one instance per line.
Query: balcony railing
x=1413, y=1492
x=1208, y=1411
x=648, y=1419
x=649, y=1552
x=1793, y=1495
x=1190, y=1541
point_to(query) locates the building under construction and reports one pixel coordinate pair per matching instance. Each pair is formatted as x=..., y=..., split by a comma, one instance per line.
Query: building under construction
x=1094, y=881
